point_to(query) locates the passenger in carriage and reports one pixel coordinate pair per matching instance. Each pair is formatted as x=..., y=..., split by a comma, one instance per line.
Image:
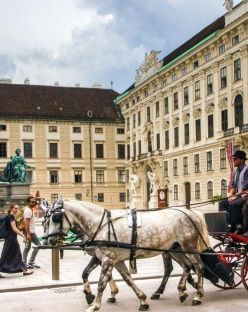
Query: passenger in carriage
x=237, y=194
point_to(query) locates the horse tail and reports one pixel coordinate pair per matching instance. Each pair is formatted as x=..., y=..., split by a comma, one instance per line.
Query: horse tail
x=204, y=241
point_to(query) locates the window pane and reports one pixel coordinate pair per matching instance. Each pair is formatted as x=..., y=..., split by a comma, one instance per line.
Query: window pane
x=99, y=151
x=121, y=151
x=77, y=150
x=28, y=152
x=3, y=149
x=53, y=150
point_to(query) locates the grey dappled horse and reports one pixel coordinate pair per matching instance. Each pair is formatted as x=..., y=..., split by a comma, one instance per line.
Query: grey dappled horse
x=163, y=229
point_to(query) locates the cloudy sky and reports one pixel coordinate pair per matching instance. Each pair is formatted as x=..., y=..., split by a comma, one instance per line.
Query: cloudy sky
x=88, y=41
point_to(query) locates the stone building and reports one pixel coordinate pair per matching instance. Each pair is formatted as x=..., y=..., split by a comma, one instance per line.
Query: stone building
x=183, y=110
x=73, y=139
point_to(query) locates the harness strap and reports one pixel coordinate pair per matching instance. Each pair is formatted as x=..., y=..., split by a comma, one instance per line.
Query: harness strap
x=100, y=224
x=132, y=258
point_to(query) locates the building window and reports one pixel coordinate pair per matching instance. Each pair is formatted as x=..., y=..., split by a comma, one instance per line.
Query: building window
x=210, y=189
x=175, y=168
x=209, y=84
x=77, y=176
x=185, y=165
x=186, y=133
x=77, y=150
x=235, y=40
x=53, y=150
x=197, y=190
x=121, y=176
x=210, y=126
x=197, y=90
x=99, y=151
x=122, y=197
x=98, y=130
x=54, y=176
x=99, y=176
x=176, y=137
x=197, y=163
x=78, y=196
x=121, y=151
x=100, y=197
x=175, y=192
x=198, y=130
x=54, y=198
x=224, y=120
x=208, y=57
x=128, y=123
x=76, y=129
x=166, y=105
x=128, y=151
x=223, y=158
x=134, y=121
x=209, y=161
x=52, y=129
x=186, y=96
x=28, y=150
x=167, y=139
x=196, y=64
x=120, y=130
x=223, y=77
x=3, y=150
x=149, y=141
x=238, y=111
x=158, y=141
x=223, y=188
x=134, y=149
x=139, y=118
x=222, y=49
x=175, y=100
x=27, y=128
x=139, y=147
x=157, y=109
x=237, y=70
x=148, y=114
x=3, y=127
x=166, y=172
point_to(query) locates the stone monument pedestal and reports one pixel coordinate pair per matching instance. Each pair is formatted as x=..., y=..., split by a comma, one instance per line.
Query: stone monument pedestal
x=13, y=192
x=153, y=202
x=136, y=202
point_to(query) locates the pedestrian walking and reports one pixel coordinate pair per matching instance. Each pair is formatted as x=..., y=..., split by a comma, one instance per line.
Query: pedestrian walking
x=11, y=257
x=29, y=232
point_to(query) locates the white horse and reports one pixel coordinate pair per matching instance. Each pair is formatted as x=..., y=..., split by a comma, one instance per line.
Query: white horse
x=175, y=229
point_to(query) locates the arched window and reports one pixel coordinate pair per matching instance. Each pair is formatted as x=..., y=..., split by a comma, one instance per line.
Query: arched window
x=238, y=111
x=175, y=192
x=210, y=189
x=197, y=190
x=223, y=188
x=149, y=140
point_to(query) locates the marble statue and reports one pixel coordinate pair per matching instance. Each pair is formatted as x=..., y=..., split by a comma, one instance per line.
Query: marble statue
x=229, y=5
x=154, y=184
x=134, y=183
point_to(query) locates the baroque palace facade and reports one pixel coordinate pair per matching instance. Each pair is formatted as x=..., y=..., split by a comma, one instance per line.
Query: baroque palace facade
x=183, y=110
x=72, y=138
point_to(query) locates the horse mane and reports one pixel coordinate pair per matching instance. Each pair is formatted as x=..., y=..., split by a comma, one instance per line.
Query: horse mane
x=88, y=204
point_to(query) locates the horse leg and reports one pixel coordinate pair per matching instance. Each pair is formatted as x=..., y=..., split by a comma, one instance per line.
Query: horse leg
x=94, y=262
x=168, y=267
x=114, y=291
x=105, y=276
x=199, y=269
x=123, y=270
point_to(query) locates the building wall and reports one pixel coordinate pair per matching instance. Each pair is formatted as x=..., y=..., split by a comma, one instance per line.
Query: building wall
x=65, y=163
x=174, y=78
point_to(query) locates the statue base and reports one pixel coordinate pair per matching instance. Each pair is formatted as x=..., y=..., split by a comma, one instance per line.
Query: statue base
x=13, y=192
x=136, y=202
x=153, y=202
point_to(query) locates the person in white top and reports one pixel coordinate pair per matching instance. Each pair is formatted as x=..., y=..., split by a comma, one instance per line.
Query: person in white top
x=29, y=232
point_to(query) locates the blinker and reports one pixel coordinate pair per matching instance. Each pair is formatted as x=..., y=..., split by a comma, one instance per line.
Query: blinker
x=57, y=217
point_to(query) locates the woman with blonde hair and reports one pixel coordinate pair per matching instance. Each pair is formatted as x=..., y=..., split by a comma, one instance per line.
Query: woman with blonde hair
x=11, y=257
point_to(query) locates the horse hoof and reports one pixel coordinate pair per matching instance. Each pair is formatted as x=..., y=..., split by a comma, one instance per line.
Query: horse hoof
x=89, y=297
x=196, y=302
x=144, y=307
x=183, y=297
x=111, y=300
x=155, y=296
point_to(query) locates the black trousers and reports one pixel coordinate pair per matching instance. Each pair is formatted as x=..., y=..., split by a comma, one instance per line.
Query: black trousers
x=245, y=216
x=234, y=210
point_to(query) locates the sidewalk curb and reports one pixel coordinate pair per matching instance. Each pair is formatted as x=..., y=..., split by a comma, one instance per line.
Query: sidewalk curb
x=50, y=286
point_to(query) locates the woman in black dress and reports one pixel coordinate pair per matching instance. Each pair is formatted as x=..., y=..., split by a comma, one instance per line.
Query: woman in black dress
x=11, y=257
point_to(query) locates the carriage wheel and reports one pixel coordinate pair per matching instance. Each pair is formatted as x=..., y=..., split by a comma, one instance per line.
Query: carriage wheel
x=244, y=272
x=236, y=260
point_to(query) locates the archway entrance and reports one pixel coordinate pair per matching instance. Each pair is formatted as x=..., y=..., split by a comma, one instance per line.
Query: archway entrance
x=187, y=194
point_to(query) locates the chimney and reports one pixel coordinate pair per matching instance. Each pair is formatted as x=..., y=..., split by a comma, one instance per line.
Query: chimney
x=27, y=81
x=97, y=85
x=5, y=80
